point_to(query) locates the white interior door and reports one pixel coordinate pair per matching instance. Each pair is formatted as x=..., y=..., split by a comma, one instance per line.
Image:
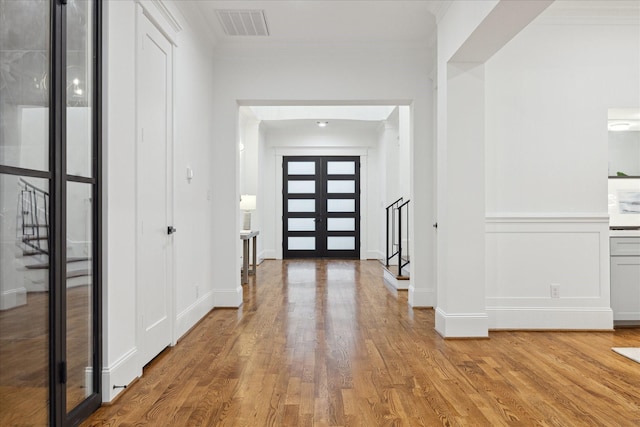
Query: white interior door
x=154, y=244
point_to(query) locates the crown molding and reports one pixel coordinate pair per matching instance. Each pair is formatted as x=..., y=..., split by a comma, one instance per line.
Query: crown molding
x=167, y=15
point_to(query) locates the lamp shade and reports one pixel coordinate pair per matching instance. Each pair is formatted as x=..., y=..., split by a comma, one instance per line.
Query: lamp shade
x=248, y=202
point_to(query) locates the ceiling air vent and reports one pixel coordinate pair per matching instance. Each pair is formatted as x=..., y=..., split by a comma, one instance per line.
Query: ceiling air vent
x=243, y=22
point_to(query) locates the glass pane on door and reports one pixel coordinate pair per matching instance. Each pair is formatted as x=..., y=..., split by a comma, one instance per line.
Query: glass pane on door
x=341, y=224
x=24, y=301
x=341, y=205
x=79, y=87
x=344, y=243
x=302, y=205
x=341, y=186
x=80, y=98
x=302, y=168
x=24, y=84
x=302, y=187
x=341, y=168
x=302, y=243
x=79, y=293
x=301, y=224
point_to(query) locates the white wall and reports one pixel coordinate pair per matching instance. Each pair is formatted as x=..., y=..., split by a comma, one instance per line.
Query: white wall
x=249, y=176
x=193, y=200
x=394, y=169
x=468, y=35
x=404, y=155
x=389, y=145
x=334, y=76
x=193, y=293
x=548, y=92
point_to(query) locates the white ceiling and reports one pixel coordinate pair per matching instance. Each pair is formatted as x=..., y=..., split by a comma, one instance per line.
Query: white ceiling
x=627, y=116
x=310, y=127
x=340, y=23
x=334, y=24
x=588, y=8
x=354, y=23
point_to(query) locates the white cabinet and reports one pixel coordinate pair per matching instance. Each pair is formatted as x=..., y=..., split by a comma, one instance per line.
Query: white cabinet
x=625, y=278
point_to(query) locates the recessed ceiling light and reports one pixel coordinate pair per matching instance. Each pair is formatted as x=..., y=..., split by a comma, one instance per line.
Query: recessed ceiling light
x=322, y=124
x=620, y=126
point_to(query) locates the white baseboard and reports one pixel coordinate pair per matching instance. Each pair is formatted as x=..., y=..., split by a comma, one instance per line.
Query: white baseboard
x=120, y=373
x=13, y=298
x=627, y=316
x=228, y=297
x=421, y=297
x=550, y=318
x=375, y=255
x=192, y=314
x=401, y=285
x=269, y=255
x=462, y=325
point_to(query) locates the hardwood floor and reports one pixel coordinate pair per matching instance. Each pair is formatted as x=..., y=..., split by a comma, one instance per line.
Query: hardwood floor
x=327, y=344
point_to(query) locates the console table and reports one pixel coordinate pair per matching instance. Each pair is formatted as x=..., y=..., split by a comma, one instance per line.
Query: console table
x=248, y=236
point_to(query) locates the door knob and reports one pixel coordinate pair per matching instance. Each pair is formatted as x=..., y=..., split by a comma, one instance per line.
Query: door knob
x=171, y=230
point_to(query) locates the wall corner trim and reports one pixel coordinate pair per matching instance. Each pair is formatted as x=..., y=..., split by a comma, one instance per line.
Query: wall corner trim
x=423, y=298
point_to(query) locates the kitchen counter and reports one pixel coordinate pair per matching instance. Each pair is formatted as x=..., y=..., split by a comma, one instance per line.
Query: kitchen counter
x=624, y=233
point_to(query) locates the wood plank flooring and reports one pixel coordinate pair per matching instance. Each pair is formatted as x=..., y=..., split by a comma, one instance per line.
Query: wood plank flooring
x=325, y=343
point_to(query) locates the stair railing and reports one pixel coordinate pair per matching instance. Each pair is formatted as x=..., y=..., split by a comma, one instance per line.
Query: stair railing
x=33, y=218
x=403, y=235
x=397, y=214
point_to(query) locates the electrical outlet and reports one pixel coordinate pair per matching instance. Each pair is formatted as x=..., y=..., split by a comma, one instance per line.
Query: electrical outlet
x=555, y=290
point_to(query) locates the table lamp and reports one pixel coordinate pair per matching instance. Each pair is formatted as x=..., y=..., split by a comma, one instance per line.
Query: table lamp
x=247, y=204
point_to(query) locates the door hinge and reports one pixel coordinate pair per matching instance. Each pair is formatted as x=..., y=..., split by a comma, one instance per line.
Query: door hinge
x=62, y=371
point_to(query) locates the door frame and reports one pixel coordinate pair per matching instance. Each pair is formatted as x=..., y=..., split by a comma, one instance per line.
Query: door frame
x=143, y=13
x=57, y=178
x=281, y=152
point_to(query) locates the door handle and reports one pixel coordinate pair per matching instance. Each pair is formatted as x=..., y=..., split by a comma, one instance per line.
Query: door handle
x=171, y=230
x=318, y=219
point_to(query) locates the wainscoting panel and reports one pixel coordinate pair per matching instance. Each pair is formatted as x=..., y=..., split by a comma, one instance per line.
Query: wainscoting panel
x=548, y=272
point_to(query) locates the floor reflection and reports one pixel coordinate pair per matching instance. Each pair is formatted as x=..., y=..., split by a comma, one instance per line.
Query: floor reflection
x=24, y=367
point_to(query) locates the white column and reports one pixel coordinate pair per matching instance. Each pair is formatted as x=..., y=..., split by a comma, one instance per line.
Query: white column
x=460, y=308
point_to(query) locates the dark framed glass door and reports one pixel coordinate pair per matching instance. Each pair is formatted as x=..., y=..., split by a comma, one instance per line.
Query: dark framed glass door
x=50, y=203
x=321, y=207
